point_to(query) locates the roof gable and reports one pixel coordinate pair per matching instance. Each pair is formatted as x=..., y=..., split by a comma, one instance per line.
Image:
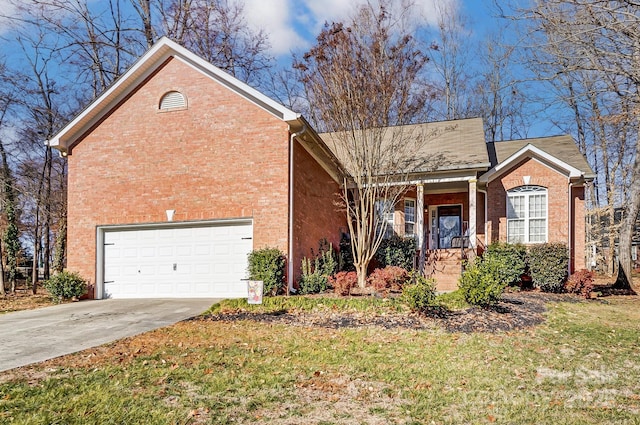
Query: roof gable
x=142, y=69
x=531, y=151
x=562, y=147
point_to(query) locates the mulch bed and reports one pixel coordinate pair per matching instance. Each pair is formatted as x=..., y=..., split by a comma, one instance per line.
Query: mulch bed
x=514, y=311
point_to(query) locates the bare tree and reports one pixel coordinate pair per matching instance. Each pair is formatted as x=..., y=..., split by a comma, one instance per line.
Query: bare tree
x=498, y=93
x=218, y=31
x=451, y=57
x=601, y=36
x=361, y=78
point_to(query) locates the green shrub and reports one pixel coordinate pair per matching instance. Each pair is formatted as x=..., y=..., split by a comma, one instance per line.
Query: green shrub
x=581, y=283
x=312, y=281
x=388, y=279
x=315, y=274
x=513, y=257
x=65, y=285
x=345, y=258
x=482, y=283
x=419, y=293
x=548, y=265
x=397, y=251
x=267, y=265
x=342, y=282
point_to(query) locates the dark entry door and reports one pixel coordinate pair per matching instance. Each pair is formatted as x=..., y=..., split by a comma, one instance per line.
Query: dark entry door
x=449, y=224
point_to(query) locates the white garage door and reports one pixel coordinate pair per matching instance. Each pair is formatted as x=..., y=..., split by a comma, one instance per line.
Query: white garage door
x=178, y=262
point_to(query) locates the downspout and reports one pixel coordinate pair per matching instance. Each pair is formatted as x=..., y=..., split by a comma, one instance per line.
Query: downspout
x=290, y=287
x=486, y=236
x=569, y=227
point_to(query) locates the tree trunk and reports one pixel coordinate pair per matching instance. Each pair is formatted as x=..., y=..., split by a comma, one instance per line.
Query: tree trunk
x=361, y=270
x=626, y=234
x=34, y=265
x=61, y=245
x=2, y=290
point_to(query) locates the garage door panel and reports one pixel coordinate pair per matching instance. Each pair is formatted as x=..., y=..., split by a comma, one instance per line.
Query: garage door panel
x=210, y=261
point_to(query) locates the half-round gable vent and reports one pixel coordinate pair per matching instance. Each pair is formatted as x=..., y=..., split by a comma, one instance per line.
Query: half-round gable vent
x=173, y=99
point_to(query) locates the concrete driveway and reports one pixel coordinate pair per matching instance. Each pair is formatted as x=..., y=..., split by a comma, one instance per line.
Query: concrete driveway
x=35, y=335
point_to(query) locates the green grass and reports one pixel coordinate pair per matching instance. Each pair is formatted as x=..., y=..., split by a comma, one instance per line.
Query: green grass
x=580, y=367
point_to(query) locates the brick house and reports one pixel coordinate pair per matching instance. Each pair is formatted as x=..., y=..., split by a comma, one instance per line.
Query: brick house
x=475, y=193
x=179, y=170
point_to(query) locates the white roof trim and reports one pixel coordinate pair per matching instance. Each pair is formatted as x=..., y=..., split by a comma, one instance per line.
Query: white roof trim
x=532, y=152
x=142, y=69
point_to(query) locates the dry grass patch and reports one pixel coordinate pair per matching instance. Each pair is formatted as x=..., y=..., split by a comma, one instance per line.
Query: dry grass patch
x=579, y=367
x=24, y=300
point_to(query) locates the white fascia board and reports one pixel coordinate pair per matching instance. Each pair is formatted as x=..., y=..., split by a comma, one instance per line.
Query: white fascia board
x=141, y=70
x=530, y=151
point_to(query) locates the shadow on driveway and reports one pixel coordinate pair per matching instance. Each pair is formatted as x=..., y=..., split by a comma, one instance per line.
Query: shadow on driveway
x=33, y=336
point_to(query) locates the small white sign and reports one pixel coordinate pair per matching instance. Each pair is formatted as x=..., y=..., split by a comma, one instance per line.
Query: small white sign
x=255, y=291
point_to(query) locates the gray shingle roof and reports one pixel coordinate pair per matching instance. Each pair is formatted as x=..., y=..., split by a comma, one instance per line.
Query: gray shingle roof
x=562, y=147
x=457, y=144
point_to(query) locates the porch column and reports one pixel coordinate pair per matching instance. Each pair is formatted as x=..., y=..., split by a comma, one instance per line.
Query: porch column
x=420, y=223
x=473, y=207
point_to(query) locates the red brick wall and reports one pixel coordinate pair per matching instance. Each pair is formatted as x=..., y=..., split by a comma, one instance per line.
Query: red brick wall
x=541, y=175
x=223, y=157
x=316, y=215
x=558, y=208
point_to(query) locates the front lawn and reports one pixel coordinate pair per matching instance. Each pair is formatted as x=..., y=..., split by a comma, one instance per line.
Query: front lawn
x=581, y=366
x=24, y=300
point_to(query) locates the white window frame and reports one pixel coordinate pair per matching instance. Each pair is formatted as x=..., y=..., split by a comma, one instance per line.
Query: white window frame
x=411, y=222
x=387, y=208
x=526, y=192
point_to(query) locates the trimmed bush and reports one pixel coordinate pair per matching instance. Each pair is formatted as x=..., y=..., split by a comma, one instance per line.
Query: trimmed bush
x=342, y=282
x=388, y=279
x=65, y=285
x=267, y=265
x=397, y=251
x=548, y=265
x=483, y=282
x=581, y=283
x=513, y=258
x=419, y=293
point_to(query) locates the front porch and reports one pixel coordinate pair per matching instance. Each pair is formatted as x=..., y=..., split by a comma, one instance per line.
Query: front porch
x=446, y=218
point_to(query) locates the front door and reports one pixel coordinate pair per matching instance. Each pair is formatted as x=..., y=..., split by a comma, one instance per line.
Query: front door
x=446, y=223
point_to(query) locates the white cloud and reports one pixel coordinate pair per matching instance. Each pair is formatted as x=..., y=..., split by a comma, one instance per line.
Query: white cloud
x=273, y=17
x=7, y=11
x=292, y=24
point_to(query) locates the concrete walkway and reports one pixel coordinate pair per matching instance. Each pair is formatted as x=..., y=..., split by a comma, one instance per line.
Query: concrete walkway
x=33, y=336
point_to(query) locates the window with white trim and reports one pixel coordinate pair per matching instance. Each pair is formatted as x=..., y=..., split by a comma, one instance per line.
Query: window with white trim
x=385, y=212
x=172, y=100
x=527, y=214
x=409, y=216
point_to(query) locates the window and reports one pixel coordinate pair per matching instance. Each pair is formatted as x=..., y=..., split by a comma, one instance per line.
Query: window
x=409, y=216
x=527, y=214
x=385, y=212
x=173, y=100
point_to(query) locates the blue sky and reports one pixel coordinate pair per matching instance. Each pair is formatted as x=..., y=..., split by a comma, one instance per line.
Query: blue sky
x=293, y=24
